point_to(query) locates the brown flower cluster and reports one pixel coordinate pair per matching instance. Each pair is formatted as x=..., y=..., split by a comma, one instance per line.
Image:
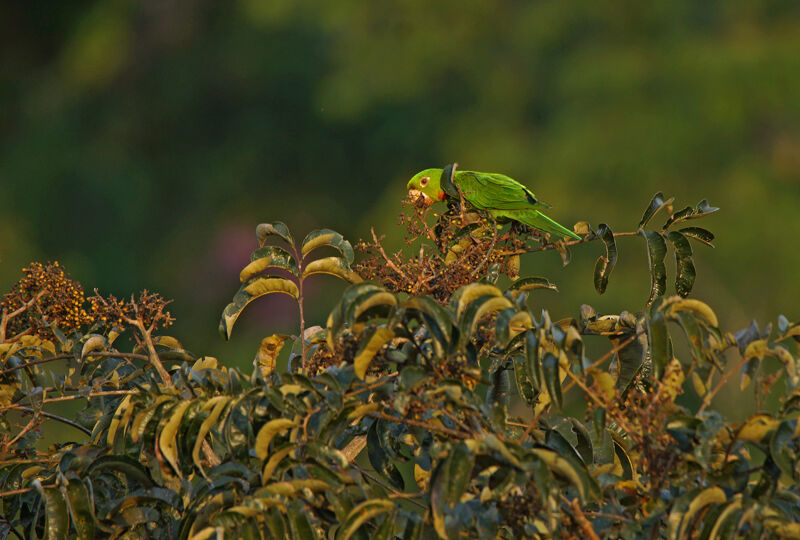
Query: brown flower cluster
x=148, y=309
x=460, y=247
x=44, y=296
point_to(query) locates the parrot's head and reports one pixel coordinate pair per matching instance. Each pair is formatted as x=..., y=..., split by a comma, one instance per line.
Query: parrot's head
x=427, y=184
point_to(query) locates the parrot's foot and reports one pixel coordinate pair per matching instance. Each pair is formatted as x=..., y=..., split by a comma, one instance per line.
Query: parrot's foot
x=523, y=230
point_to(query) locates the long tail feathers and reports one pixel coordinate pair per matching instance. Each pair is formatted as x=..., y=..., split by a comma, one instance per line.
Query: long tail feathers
x=540, y=221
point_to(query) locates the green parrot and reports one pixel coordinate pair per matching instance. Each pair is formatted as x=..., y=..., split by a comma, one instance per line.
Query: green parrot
x=503, y=197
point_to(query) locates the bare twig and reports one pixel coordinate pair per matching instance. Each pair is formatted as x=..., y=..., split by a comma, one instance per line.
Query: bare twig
x=389, y=262
x=55, y=417
x=727, y=375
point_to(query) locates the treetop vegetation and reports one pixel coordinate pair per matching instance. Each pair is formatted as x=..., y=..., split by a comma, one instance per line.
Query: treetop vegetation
x=439, y=399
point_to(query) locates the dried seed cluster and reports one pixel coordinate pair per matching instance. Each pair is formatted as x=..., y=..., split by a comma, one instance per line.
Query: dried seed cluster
x=149, y=308
x=460, y=248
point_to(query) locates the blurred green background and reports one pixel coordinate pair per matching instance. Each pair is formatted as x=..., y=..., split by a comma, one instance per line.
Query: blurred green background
x=141, y=142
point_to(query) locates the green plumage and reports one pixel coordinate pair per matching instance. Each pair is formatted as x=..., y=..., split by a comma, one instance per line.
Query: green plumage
x=503, y=197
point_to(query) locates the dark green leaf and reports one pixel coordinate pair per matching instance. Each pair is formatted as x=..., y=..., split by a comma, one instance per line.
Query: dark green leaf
x=656, y=250
x=524, y=383
x=699, y=234
x=80, y=509
x=656, y=204
x=629, y=359
x=605, y=263
x=780, y=448
x=277, y=228
x=533, y=360
x=684, y=279
x=658, y=341
x=57, y=526
x=551, y=378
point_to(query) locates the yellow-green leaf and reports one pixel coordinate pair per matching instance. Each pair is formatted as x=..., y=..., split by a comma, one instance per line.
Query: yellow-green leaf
x=335, y=266
x=255, y=288
x=361, y=514
x=365, y=356
x=267, y=432
x=167, y=440
x=267, y=355
x=217, y=405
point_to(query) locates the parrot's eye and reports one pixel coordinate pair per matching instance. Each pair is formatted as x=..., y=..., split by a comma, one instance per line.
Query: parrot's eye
x=424, y=181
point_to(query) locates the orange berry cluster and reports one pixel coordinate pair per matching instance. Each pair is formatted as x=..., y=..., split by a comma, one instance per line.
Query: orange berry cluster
x=51, y=298
x=149, y=308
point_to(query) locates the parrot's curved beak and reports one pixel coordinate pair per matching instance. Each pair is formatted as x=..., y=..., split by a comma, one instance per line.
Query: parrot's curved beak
x=416, y=194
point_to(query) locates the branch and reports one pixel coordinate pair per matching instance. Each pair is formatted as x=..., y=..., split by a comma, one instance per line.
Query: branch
x=55, y=417
x=425, y=425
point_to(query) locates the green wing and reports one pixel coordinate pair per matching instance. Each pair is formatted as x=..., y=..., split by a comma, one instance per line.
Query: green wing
x=492, y=191
x=504, y=197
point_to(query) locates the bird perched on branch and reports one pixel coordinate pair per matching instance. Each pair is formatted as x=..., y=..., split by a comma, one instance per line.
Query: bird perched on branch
x=503, y=197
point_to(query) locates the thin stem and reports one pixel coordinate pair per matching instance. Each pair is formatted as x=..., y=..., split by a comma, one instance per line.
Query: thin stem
x=389, y=262
x=431, y=427
x=69, y=356
x=55, y=417
x=396, y=493
x=710, y=396
x=300, y=268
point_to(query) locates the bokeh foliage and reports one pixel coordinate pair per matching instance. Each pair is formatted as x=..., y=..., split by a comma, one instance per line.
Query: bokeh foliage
x=405, y=415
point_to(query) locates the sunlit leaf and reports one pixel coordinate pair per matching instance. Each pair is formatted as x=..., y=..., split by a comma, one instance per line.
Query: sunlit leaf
x=327, y=237
x=167, y=439
x=268, y=257
x=255, y=288
x=335, y=266
x=267, y=432
x=364, y=357
x=529, y=284
x=361, y=514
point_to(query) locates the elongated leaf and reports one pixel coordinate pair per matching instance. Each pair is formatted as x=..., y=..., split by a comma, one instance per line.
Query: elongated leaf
x=361, y=514
x=699, y=234
x=571, y=469
x=437, y=319
x=476, y=310
x=327, y=237
x=338, y=316
x=267, y=432
x=656, y=204
x=335, y=266
x=378, y=457
x=656, y=250
x=129, y=467
x=684, y=279
x=780, y=447
x=446, y=180
x=299, y=522
x=216, y=404
x=702, y=209
x=533, y=361
x=80, y=509
x=552, y=378
x=268, y=257
x=511, y=322
x=658, y=341
x=167, y=440
x=605, y=263
x=276, y=228
x=524, y=382
x=255, y=288
x=629, y=359
x=529, y=284
x=364, y=357
x=469, y=293
x=57, y=525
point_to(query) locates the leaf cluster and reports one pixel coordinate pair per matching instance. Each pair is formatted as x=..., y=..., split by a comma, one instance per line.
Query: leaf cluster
x=430, y=413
